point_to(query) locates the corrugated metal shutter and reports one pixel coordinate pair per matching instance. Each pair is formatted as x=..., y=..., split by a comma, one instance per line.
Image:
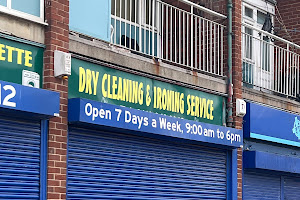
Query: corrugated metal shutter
x=261, y=186
x=291, y=188
x=19, y=159
x=123, y=166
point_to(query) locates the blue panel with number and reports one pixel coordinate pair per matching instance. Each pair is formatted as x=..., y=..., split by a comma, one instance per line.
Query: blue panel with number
x=93, y=112
x=22, y=98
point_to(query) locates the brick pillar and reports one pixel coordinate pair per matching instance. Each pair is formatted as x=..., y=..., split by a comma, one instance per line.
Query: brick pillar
x=237, y=75
x=56, y=38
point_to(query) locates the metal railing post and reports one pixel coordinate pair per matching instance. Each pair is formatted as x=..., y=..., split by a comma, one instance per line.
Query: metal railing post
x=192, y=37
x=287, y=68
x=158, y=37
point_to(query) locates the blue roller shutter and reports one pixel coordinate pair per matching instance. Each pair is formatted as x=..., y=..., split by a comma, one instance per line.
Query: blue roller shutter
x=261, y=186
x=19, y=159
x=105, y=165
x=291, y=188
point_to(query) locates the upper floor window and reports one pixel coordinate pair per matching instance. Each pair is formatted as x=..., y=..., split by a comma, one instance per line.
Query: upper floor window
x=29, y=9
x=248, y=12
x=261, y=17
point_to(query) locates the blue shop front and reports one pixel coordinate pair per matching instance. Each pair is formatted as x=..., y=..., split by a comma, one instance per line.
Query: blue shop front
x=271, y=157
x=133, y=137
x=24, y=112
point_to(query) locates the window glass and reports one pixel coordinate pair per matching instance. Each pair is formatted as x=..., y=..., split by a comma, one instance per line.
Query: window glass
x=3, y=3
x=29, y=6
x=261, y=17
x=248, y=43
x=266, y=54
x=248, y=12
x=247, y=63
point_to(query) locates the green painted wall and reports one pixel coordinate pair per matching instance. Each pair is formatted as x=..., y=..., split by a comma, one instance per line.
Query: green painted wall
x=16, y=57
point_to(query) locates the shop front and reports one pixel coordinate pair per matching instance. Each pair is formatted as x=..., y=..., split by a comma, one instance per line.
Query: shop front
x=271, y=154
x=23, y=140
x=24, y=111
x=133, y=137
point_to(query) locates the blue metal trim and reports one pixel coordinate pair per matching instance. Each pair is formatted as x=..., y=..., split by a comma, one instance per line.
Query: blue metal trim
x=243, y=181
x=229, y=175
x=234, y=174
x=22, y=40
x=274, y=139
x=281, y=188
x=269, y=161
x=67, y=167
x=43, y=160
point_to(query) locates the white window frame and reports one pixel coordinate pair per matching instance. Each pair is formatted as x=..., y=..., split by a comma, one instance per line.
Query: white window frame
x=258, y=5
x=245, y=17
x=8, y=10
x=250, y=21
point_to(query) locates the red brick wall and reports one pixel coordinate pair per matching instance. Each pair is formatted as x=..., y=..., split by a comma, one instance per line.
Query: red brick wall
x=57, y=38
x=237, y=78
x=289, y=16
x=289, y=12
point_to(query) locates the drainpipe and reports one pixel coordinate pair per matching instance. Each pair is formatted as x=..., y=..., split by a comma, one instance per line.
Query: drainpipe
x=229, y=81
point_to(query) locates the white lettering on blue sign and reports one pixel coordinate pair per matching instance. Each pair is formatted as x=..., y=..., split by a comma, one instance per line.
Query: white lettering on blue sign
x=11, y=93
x=164, y=124
x=233, y=137
x=95, y=112
x=135, y=119
x=132, y=119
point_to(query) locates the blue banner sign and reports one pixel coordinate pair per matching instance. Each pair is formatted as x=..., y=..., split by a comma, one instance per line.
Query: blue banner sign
x=273, y=125
x=18, y=97
x=93, y=112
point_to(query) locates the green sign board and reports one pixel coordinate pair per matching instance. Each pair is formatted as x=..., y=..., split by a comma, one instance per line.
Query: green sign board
x=21, y=63
x=112, y=86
